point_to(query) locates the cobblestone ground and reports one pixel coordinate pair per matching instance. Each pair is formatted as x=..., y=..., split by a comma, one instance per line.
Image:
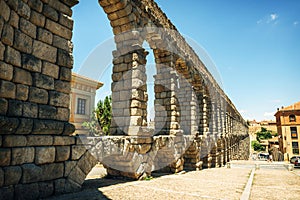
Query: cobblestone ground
x=217, y=183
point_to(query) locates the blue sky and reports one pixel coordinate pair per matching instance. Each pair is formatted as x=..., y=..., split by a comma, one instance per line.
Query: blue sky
x=255, y=45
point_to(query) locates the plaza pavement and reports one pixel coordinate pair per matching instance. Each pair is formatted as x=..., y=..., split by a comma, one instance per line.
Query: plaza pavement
x=241, y=181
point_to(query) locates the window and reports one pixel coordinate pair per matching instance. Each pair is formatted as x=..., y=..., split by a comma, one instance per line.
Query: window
x=295, y=146
x=81, y=106
x=294, y=133
x=292, y=118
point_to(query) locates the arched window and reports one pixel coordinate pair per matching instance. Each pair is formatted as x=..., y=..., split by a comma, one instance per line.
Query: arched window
x=292, y=118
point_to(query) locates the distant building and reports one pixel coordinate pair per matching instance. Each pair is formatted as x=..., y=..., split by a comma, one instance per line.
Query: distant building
x=288, y=127
x=82, y=101
x=255, y=126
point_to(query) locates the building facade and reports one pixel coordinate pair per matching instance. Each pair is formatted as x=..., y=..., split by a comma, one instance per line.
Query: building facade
x=288, y=127
x=82, y=101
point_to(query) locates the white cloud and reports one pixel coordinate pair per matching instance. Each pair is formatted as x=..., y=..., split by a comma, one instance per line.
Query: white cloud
x=272, y=18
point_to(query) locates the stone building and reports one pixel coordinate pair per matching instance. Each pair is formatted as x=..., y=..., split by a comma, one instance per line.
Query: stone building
x=288, y=126
x=82, y=101
x=196, y=124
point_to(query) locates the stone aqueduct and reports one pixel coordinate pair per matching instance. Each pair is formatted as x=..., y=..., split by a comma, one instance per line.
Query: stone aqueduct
x=196, y=125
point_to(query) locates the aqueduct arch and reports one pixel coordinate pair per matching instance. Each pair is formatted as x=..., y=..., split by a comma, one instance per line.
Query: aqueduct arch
x=196, y=125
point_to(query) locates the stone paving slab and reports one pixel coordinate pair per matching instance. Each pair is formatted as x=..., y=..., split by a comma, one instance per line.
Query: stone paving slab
x=217, y=183
x=275, y=184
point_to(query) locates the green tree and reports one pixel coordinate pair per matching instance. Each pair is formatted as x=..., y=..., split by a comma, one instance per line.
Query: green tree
x=101, y=116
x=263, y=134
x=257, y=146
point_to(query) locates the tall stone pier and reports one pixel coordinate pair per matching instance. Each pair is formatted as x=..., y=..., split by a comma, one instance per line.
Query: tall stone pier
x=196, y=125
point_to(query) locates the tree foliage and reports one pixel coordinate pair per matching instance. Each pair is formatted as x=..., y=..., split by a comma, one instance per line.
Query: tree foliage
x=264, y=134
x=101, y=116
x=257, y=146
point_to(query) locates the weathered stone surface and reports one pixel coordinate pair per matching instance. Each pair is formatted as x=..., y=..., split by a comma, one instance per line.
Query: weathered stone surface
x=43, y=81
x=8, y=125
x=66, y=21
x=63, y=140
x=2, y=50
x=48, y=127
x=7, y=89
x=15, y=108
x=22, y=155
x=31, y=63
x=14, y=141
x=63, y=114
x=5, y=155
x=46, y=189
x=69, y=166
x=13, y=4
x=37, y=19
x=62, y=153
x=65, y=74
x=61, y=43
x=45, y=36
x=87, y=162
x=59, y=99
x=6, y=71
x=5, y=11
x=1, y=25
x=62, y=86
x=3, y=106
x=44, y=51
x=37, y=95
x=36, y=5
x=22, y=92
x=44, y=155
x=50, y=69
x=27, y=191
x=1, y=178
x=62, y=8
x=28, y=28
x=25, y=126
x=51, y=13
x=30, y=110
x=59, y=186
x=64, y=58
x=52, y=171
x=58, y=29
x=69, y=129
x=77, y=152
x=22, y=42
x=77, y=175
x=31, y=173
x=14, y=19
x=13, y=57
x=37, y=140
x=22, y=76
x=70, y=3
x=47, y=112
x=7, y=192
x=7, y=35
x=23, y=9
x=12, y=175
